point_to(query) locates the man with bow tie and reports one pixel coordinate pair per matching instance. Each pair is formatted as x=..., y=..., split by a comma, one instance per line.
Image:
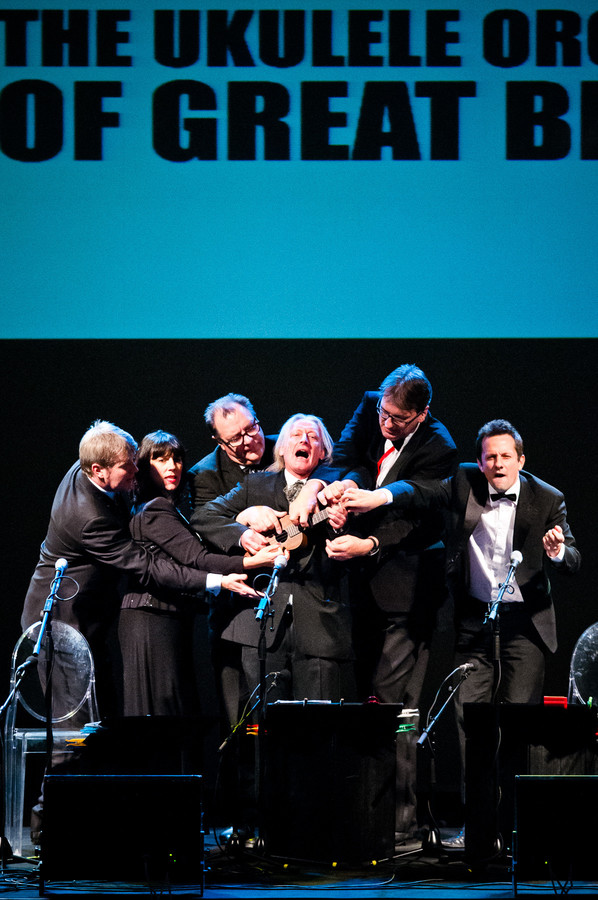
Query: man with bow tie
x=492, y=510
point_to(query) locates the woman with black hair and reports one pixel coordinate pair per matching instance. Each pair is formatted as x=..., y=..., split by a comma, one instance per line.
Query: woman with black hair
x=155, y=628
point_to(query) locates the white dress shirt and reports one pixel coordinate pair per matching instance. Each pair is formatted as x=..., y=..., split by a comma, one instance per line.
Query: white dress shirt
x=490, y=548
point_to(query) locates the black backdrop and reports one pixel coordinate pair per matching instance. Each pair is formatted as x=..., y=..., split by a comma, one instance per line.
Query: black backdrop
x=55, y=389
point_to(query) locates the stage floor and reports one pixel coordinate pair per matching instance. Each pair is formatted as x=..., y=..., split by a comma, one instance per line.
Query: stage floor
x=408, y=874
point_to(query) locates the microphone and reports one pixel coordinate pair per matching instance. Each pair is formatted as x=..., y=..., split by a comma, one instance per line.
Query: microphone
x=61, y=565
x=516, y=558
x=280, y=562
x=466, y=667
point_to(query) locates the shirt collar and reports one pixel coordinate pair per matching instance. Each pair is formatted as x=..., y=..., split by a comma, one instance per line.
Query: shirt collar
x=292, y=479
x=388, y=443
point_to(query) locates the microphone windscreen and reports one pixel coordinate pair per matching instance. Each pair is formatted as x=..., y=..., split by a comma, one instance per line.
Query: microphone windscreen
x=280, y=561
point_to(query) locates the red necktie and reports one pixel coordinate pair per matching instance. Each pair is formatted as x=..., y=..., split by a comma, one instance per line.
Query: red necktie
x=381, y=460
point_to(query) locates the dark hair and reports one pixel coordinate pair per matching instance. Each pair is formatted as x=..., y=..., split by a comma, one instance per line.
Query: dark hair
x=227, y=406
x=498, y=426
x=156, y=444
x=408, y=388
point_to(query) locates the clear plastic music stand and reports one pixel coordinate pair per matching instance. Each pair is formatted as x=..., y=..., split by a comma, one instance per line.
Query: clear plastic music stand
x=73, y=669
x=583, y=670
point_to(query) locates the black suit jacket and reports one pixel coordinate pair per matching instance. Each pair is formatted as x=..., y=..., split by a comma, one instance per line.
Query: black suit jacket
x=90, y=530
x=540, y=507
x=399, y=576
x=217, y=474
x=158, y=525
x=321, y=614
x=213, y=476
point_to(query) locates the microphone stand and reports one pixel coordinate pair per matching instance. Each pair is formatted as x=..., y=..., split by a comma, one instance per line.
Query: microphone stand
x=46, y=627
x=264, y=612
x=20, y=672
x=432, y=842
x=493, y=616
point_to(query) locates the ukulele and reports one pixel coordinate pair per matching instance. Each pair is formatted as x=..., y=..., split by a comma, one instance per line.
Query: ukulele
x=293, y=536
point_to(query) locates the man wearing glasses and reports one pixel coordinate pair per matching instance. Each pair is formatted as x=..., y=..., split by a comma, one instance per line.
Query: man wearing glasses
x=400, y=584
x=242, y=447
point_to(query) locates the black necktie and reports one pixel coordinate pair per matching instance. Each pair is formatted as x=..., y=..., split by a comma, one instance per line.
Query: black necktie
x=503, y=496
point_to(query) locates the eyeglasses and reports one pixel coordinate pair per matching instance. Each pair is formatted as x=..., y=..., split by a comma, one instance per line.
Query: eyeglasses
x=395, y=420
x=238, y=439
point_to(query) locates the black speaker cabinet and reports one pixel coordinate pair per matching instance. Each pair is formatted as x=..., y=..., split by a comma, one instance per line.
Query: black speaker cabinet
x=124, y=828
x=556, y=828
x=329, y=781
x=504, y=741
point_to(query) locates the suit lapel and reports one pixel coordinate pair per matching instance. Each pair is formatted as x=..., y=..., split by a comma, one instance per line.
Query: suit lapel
x=524, y=514
x=280, y=498
x=407, y=451
x=476, y=501
x=229, y=468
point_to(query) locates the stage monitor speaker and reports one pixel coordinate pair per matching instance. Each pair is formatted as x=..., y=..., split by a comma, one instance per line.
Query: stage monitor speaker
x=123, y=828
x=507, y=740
x=556, y=828
x=329, y=781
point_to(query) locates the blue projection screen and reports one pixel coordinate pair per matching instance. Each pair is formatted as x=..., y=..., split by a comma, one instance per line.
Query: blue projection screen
x=322, y=169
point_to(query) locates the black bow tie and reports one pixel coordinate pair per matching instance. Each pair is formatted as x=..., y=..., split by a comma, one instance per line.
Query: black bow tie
x=503, y=496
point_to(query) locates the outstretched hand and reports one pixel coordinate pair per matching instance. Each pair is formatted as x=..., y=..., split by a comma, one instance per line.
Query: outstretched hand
x=237, y=584
x=305, y=503
x=264, y=558
x=337, y=516
x=348, y=546
x=357, y=500
x=261, y=518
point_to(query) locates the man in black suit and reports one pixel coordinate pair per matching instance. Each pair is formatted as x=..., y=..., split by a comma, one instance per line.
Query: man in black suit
x=242, y=447
x=308, y=637
x=391, y=435
x=89, y=527
x=491, y=510
x=311, y=636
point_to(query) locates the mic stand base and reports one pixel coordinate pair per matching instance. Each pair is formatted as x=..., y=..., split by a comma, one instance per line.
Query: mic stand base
x=432, y=842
